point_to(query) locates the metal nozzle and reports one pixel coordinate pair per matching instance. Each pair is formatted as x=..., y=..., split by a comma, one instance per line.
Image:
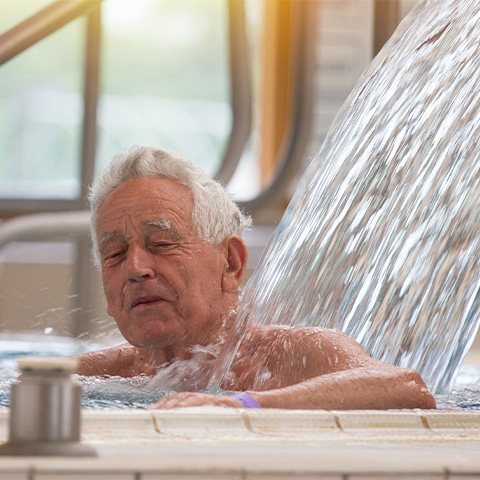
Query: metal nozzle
x=45, y=408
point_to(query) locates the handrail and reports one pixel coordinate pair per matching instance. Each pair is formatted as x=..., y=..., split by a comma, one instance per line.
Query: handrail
x=241, y=94
x=91, y=90
x=73, y=226
x=294, y=147
x=42, y=24
x=45, y=226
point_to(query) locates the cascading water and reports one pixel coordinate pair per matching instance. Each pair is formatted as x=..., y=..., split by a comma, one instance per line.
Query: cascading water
x=382, y=238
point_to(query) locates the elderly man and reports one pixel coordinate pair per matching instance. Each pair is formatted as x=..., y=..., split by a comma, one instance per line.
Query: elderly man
x=167, y=240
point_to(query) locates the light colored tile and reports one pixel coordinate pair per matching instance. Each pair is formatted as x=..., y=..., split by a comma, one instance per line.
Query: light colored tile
x=290, y=422
x=191, y=476
x=200, y=422
x=396, y=476
x=73, y=475
x=376, y=419
x=9, y=475
x=117, y=426
x=4, y=416
x=292, y=475
x=473, y=476
x=453, y=420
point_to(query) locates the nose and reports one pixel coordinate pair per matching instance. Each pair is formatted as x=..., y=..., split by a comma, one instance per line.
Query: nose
x=139, y=264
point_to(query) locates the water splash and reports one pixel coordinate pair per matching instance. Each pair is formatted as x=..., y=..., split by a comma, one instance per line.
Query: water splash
x=187, y=375
x=142, y=391
x=118, y=392
x=382, y=238
x=98, y=391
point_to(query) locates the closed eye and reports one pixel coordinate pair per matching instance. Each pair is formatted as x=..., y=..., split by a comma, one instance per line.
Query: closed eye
x=115, y=254
x=163, y=245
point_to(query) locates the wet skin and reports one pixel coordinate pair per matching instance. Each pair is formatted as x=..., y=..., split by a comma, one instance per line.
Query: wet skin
x=166, y=289
x=170, y=292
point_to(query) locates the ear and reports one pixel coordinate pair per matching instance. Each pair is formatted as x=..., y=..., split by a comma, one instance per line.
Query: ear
x=236, y=261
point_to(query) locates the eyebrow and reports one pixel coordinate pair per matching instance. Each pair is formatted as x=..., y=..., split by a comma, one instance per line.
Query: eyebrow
x=161, y=223
x=107, y=237
x=164, y=225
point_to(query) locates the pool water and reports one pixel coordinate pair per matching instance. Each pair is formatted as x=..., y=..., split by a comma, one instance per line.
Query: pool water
x=98, y=392
x=141, y=392
x=466, y=392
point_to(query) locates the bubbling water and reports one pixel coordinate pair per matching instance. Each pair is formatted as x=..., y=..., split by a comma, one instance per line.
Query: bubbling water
x=382, y=238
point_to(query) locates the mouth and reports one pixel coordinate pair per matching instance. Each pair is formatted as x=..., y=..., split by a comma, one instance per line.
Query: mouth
x=146, y=301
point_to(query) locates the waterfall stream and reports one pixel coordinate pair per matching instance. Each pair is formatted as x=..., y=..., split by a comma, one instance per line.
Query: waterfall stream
x=382, y=238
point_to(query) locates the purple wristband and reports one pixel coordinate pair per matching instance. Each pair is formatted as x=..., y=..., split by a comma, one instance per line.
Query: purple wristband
x=246, y=400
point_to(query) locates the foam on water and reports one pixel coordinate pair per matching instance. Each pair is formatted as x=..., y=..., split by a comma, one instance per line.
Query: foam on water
x=382, y=238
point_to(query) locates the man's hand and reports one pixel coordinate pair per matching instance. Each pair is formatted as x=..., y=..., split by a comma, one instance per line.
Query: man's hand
x=194, y=399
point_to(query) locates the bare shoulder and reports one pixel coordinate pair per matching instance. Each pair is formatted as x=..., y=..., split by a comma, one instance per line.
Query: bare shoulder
x=315, y=337
x=123, y=360
x=317, y=349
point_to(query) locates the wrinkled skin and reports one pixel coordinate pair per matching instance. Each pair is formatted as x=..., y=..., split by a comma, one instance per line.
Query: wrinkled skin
x=172, y=295
x=166, y=289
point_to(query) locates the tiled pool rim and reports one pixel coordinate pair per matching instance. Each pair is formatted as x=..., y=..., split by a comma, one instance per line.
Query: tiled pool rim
x=237, y=444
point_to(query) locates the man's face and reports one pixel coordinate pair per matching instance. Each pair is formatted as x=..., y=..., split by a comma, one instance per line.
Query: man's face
x=162, y=283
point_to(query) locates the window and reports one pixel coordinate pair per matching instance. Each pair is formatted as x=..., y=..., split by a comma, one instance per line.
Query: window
x=40, y=112
x=165, y=78
x=164, y=82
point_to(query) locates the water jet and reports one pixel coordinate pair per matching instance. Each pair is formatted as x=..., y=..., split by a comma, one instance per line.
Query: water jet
x=381, y=239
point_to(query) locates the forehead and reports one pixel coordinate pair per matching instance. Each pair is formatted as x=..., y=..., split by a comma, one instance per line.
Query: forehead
x=148, y=198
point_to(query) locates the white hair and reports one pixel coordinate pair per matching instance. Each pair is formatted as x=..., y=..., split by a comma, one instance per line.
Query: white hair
x=215, y=215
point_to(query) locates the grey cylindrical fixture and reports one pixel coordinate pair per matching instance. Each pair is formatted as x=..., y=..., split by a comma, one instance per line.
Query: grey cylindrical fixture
x=45, y=410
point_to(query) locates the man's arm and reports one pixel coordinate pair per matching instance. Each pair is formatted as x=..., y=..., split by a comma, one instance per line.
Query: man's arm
x=316, y=369
x=377, y=388
x=359, y=388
